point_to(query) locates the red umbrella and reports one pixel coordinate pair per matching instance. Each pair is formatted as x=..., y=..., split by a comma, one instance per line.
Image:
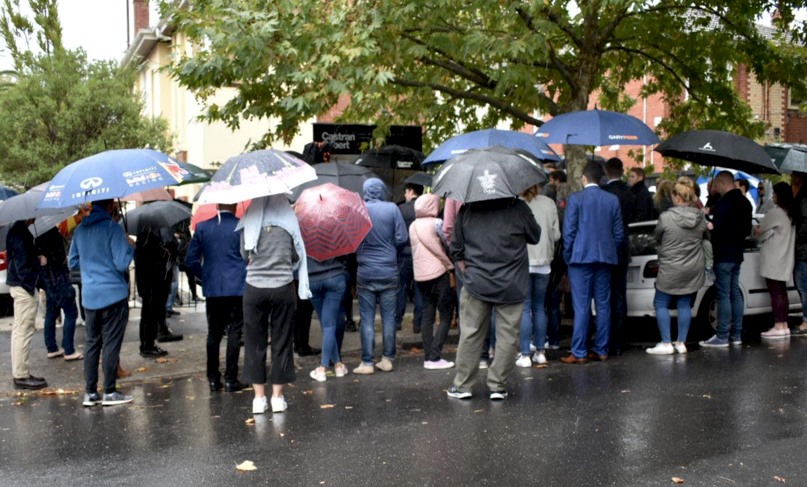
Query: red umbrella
x=154, y=194
x=333, y=221
x=208, y=211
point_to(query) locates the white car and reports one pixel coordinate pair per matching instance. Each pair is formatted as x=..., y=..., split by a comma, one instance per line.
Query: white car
x=643, y=270
x=3, y=261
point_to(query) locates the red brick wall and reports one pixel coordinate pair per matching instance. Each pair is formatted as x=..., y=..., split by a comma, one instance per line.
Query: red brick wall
x=796, y=128
x=742, y=82
x=335, y=111
x=141, y=14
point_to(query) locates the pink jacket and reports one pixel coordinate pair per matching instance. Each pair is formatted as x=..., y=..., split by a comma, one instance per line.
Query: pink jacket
x=428, y=256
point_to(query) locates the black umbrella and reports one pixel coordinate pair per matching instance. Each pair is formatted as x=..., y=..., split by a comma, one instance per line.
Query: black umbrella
x=24, y=207
x=392, y=157
x=157, y=214
x=342, y=174
x=717, y=148
x=420, y=178
x=488, y=174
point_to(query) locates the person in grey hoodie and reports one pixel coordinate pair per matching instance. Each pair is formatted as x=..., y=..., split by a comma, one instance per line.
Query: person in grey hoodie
x=682, y=263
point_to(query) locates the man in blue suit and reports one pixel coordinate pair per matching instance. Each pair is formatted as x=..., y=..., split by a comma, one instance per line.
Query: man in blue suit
x=215, y=256
x=592, y=232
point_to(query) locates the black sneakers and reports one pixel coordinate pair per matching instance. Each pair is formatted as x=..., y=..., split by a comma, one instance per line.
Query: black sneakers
x=152, y=352
x=458, y=394
x=116, y=398
x=91, y=400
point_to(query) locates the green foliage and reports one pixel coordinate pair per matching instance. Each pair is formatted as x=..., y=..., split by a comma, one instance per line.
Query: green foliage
x=62, y=107
x=470, y=64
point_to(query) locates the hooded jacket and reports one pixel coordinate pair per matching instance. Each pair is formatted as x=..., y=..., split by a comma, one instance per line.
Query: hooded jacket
x=429, y=257
x=377, y=255
x=680, y=232
x=23, y=264
x=546, y=214
x=102, y=253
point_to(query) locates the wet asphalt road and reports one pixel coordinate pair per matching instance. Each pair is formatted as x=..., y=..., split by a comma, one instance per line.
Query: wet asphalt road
x=712, y=417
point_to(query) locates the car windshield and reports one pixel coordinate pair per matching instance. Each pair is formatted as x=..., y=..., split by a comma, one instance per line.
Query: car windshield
x=643, y=240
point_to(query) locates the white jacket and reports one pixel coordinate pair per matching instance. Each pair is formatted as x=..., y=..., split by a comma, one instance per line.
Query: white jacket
x=546, y=214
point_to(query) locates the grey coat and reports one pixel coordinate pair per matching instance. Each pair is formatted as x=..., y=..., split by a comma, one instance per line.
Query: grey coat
x=680, y=232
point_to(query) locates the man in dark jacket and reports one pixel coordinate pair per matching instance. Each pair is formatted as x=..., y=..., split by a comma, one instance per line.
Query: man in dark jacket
x=153, y=268
x=730, y=225
x=407, y=287
x=619, y=272
x=645, y=209
x=377, y=276
x=799, y=182
x=21, y=277
x=214, y=256
x=489, y=246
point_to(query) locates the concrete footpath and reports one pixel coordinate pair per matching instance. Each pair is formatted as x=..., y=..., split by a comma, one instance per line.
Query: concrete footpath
x=186, y=357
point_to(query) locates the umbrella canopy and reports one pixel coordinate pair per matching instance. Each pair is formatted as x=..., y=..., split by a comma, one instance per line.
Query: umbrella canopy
x=159, y=214
x=6, y=193
x=333, y=221
x=342, y=174
x=113, y=174
x=24, y=207
x=488, y=174
x=256, y=174
x=420, y=178
x=197, y=174
x=717, y=148
x=788, y=157
x=596, y=127
x=482, y=139
x=392, y=157
x=208, y=211
x=156, y=194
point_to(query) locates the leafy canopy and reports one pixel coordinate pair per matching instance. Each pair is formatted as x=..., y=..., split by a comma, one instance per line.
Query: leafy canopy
x=61, y=107
x=448, y=64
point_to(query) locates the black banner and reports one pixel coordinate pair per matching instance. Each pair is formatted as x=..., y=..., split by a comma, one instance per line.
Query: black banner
x=347, y=138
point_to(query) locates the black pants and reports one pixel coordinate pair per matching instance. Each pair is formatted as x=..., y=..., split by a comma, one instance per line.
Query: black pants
x=347, y=302
x=619, y=305
x=302, y=323
x=105, y=329
x=152, y=316
x=436, y=295
x=779, y=301
x=265, y=311
x=224, y=315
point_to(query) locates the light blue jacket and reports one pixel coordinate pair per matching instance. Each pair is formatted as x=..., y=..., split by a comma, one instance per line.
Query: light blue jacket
x=102, y=253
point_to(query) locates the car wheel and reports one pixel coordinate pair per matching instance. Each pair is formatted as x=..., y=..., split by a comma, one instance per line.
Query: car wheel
x=707, y=315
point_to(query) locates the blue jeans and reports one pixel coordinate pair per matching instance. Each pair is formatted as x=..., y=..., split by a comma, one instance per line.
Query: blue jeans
x=729, y=301
x=169, y=305
x=408, y=287
x=326, y=296
x=533, y=320
x=661, y=303
x=385, y=293
x=800, y=279
x=63, y=298
x=587, y=281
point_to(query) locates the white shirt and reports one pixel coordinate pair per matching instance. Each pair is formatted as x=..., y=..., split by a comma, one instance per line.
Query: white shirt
x=591, y=184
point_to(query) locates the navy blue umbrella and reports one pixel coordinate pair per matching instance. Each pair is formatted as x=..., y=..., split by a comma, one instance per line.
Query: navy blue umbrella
x=596, y=127
x=114, y=174
x=482, y=139
x=6, y=193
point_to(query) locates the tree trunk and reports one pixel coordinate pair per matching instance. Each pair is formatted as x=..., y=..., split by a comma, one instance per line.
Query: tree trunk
x=576, y=154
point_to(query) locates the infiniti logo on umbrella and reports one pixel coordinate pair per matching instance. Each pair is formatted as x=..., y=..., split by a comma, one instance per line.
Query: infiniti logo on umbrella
x=91, y=183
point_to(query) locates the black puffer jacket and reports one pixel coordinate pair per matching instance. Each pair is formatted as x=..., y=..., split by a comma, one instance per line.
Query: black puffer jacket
x=800, y=219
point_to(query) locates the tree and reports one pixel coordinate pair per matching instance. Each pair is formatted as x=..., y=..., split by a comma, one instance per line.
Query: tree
x=475, y=63
x=62, y=107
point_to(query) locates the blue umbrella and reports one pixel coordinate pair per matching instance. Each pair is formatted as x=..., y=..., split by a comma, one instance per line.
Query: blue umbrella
x=6, y=193
x=482, y=139
x=113, y=174
x=596, y=127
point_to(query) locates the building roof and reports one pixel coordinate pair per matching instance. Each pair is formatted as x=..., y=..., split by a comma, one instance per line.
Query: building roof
x=146, y=39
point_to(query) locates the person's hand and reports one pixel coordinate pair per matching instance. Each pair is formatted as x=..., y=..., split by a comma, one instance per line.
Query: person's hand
x=461, y=265
x=452, y=281
x=710, y=226
x=131, y=241
x=706, y=210
x=757, y=231
x=43, y=261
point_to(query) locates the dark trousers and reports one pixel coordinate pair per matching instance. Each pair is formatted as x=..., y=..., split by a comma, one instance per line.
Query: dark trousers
x=407, y=289
x=436, y=295
x=268, y=311
x=105, y=330
x=61, y=298
x=302, y=323
x=224, y=315
x=553, y=314
x=779, y=301
x=191, y=283
x=152, y=315
x=619, y=305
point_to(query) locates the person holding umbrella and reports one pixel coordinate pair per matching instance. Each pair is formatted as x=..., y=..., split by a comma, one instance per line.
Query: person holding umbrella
x=102, y=251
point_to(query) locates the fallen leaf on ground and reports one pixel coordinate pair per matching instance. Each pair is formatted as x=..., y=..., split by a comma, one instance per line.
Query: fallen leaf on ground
x=425, y=422
x=141, y=369
x=479, y=410
x=541, y=366
x=308, y=392
x=348, y=407
x=779, y=479
x=58, y=392
x=247, y=466
x=529, y=378
x=20, y=403
x=282, y=435
x=625, y=391
x=326, y=406
x=677, y=480
x=167, y=360
x=415, y=350
x=190, y=398
x=707, y=396
x=250, y=421
x=166, y=386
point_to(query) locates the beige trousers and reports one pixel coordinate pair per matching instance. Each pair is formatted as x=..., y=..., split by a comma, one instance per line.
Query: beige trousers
x=22, y=331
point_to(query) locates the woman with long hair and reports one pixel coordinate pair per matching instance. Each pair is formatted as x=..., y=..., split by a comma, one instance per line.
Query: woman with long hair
x=777, y=257
x=664, y=195
x=680, y=232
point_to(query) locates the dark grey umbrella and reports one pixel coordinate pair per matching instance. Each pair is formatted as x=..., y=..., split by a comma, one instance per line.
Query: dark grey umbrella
x=24, y=207
x=788, y=157
x=157, y=214
x=420, y=178
x=488, y=174
x=347, y=176
x=719, y=149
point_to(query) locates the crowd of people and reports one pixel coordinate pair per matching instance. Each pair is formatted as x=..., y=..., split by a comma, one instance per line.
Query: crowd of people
x=504, y=267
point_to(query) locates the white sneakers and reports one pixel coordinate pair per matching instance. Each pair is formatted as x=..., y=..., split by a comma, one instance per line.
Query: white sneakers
x=437, y=364
x=667, y=348
x=385, y=365
x=260, y=405
x=340, y=371
x=539, y=358
x=776, y=334
x=319, y=374
x=364, y=369
x=523, y=361
x=533, y=348
x=279, y=404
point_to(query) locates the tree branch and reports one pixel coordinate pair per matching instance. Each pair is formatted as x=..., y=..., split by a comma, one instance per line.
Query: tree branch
x=528, y=21
x=666, y=66
x=456, y=66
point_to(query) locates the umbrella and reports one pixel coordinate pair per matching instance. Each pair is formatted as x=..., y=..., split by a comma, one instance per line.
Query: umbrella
x=488, y=174
x=6, y=193
x=197, y=174
x=717, y=148
x=255, y=174
x=392, y=157
x=159, y=214
x=24, y=207
x=342, y=174
x=333, y=221
x=114, y=174
x=596, y=127
x=788, y=157
x=481, y=139
x=420, y=178
x=208, y=211
x=156, y=194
